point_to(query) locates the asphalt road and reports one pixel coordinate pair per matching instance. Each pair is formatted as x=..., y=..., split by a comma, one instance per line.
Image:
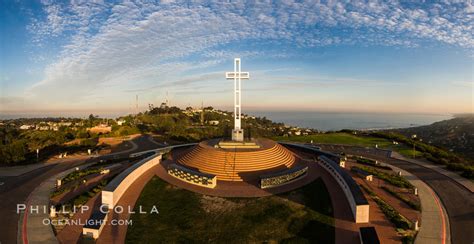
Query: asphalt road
x=457, y=200
x=15, y=190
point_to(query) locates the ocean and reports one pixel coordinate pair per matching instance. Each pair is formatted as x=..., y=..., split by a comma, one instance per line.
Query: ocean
x=332, y=121
x=324, y=121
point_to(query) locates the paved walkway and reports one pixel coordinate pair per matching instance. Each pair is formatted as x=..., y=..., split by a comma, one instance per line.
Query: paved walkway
x=33, y=228
x=468, y=184
x=435, y=223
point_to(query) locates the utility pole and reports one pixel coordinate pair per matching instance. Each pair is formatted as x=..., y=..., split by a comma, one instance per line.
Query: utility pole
x=136, y=109
x=202, y=113
x=136, y=104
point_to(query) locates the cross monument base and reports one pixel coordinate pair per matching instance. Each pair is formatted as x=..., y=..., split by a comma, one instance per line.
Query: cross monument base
x=238, y=135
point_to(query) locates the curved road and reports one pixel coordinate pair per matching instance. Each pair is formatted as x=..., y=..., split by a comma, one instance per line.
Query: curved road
x=16, y=189
x=457, y=200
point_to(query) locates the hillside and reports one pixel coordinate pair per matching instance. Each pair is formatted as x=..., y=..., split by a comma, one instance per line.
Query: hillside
x=455, y=134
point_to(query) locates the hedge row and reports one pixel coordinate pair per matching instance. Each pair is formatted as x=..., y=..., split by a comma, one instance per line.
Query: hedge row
x=393, y=215
x=393, y=179
x=371, y=162
x=396, y=218
x=85, y=196
x=80, y=173
x=410, y=203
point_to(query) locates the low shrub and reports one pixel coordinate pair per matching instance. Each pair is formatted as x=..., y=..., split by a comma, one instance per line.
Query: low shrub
x=410, y=203
x=371, y=162
x=85, y=196
x=80, y=174
x=408, y=239
x=393, y=215
x=392, y=179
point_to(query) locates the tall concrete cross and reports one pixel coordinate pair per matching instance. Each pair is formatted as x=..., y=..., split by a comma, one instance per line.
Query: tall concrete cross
x=237, y=76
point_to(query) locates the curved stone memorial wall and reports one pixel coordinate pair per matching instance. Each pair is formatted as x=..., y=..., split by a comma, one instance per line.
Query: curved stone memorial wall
x=119, y=185
x=283, y=178
x=191, y=176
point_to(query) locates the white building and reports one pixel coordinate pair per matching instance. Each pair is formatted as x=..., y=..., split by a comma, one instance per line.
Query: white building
x=26, y=127
x=120, y=122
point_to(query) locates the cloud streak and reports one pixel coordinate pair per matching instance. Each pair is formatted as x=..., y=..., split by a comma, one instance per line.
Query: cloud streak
x=125, y=46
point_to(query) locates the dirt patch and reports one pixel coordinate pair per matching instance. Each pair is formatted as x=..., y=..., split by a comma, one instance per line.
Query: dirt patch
x=296, y=196
x=219, y=204
x=112, y=141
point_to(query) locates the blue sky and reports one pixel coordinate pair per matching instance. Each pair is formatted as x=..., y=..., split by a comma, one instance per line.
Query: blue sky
x=94, y=56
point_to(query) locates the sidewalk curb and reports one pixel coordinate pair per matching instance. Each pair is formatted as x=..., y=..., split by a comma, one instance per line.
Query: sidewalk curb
x=423, y=236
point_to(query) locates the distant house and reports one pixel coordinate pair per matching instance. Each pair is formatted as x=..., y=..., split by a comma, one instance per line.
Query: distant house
x=121, y=122
x=64, y=123
x=42, y=127
x=26, y=127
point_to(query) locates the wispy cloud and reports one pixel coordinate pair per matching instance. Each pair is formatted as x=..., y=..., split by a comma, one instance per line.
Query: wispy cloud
x=469, y=84
x=125, y=46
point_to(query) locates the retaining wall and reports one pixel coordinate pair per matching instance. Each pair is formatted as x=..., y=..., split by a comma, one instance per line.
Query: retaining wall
x=112, y=193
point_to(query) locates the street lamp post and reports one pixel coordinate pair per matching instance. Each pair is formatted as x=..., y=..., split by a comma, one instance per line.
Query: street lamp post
x=413, y=137
x=37, y=154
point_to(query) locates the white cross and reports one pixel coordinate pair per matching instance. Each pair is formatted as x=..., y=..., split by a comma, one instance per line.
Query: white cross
x=237, y=76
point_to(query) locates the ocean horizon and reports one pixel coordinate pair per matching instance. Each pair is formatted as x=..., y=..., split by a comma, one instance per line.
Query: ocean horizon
x=334, y=121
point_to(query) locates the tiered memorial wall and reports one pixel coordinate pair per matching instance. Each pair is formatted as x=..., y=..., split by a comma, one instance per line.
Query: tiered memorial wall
x=191, y=176
x=283, y=178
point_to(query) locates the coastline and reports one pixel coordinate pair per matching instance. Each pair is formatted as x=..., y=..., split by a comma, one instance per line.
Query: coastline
x=332, y=121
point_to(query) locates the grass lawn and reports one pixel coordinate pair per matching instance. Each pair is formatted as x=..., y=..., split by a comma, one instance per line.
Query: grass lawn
x=408, y=152
x=355, y=140
x=303, y=216
x=338, y=138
